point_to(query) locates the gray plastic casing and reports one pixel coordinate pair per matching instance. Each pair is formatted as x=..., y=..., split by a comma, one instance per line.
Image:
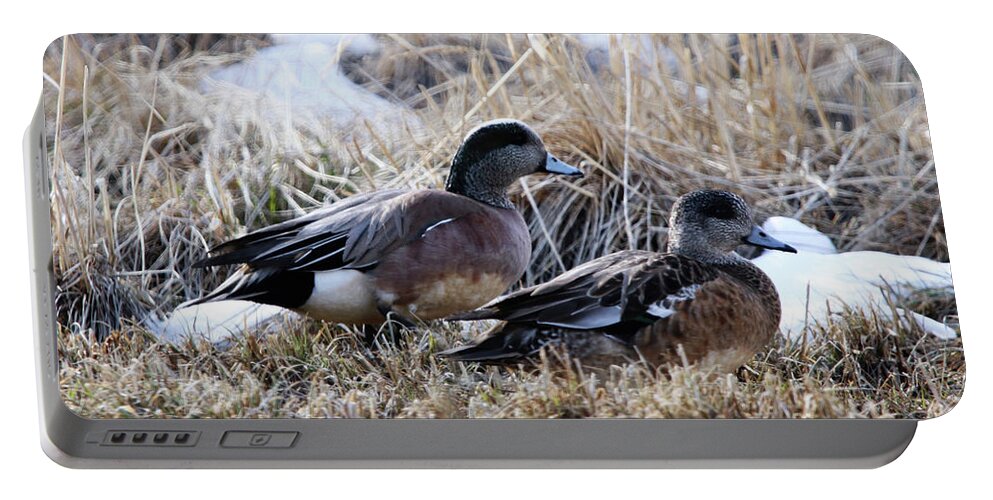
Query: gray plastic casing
x=78, y=442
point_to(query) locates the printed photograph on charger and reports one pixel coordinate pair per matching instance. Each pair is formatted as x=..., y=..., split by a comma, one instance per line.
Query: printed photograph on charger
x=496, y=226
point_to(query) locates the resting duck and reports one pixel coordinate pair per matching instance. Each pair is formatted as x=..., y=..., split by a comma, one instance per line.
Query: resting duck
x=414, y=254
x=819, y=281
x=700, y=298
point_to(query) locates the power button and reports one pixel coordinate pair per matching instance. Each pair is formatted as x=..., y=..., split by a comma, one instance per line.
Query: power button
x=259, y=439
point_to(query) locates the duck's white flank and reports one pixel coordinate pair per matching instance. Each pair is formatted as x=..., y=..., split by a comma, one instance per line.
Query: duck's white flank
x=344, y=295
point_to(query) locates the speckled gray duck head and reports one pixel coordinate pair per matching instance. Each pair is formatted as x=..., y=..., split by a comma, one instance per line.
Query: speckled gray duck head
x=708, y=225
x=494, y=155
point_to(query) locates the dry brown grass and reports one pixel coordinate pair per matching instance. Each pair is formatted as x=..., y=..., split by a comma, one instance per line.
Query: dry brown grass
x=148, y=172
x=859, y=366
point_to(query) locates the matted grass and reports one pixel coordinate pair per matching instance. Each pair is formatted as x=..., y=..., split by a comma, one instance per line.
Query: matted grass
x=148, y=172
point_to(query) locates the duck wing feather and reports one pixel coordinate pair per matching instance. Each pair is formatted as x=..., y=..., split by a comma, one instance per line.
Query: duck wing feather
x=620, y=287
x=352, y=234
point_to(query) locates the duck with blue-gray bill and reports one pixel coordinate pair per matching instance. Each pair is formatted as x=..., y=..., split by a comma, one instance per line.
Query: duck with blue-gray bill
x=410, y=254
x=699, y=303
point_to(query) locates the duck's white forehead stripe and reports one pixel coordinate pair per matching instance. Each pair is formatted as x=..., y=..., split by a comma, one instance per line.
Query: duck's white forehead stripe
x=497, y=122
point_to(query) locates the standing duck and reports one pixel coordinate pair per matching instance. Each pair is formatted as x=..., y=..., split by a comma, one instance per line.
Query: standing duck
x=700, y=301
x=411, y=254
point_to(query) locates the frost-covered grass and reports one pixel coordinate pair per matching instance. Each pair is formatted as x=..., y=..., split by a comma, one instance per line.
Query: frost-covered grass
x=148, y=171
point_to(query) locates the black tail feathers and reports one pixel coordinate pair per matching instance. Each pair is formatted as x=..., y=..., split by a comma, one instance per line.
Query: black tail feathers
x=512, y=343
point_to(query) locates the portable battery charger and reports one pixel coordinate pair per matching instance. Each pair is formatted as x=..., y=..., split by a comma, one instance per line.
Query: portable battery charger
x=486, y=251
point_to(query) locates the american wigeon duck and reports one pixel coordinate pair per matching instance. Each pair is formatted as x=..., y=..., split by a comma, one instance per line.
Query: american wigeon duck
x=700, y=298
x=418, y=254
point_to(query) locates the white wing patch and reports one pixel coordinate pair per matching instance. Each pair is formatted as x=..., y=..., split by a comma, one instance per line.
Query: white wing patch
x=667, y=306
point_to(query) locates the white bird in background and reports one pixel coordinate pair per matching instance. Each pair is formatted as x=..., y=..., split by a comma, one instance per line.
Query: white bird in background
x=215, y=322
x=299, y=78
x=817, y=280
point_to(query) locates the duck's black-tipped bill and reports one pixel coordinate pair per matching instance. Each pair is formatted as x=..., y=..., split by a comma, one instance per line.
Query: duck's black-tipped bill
x=761, y=239
x=554, y=165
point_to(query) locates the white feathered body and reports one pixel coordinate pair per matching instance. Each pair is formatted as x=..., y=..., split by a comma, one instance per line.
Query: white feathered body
x=815, y=282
